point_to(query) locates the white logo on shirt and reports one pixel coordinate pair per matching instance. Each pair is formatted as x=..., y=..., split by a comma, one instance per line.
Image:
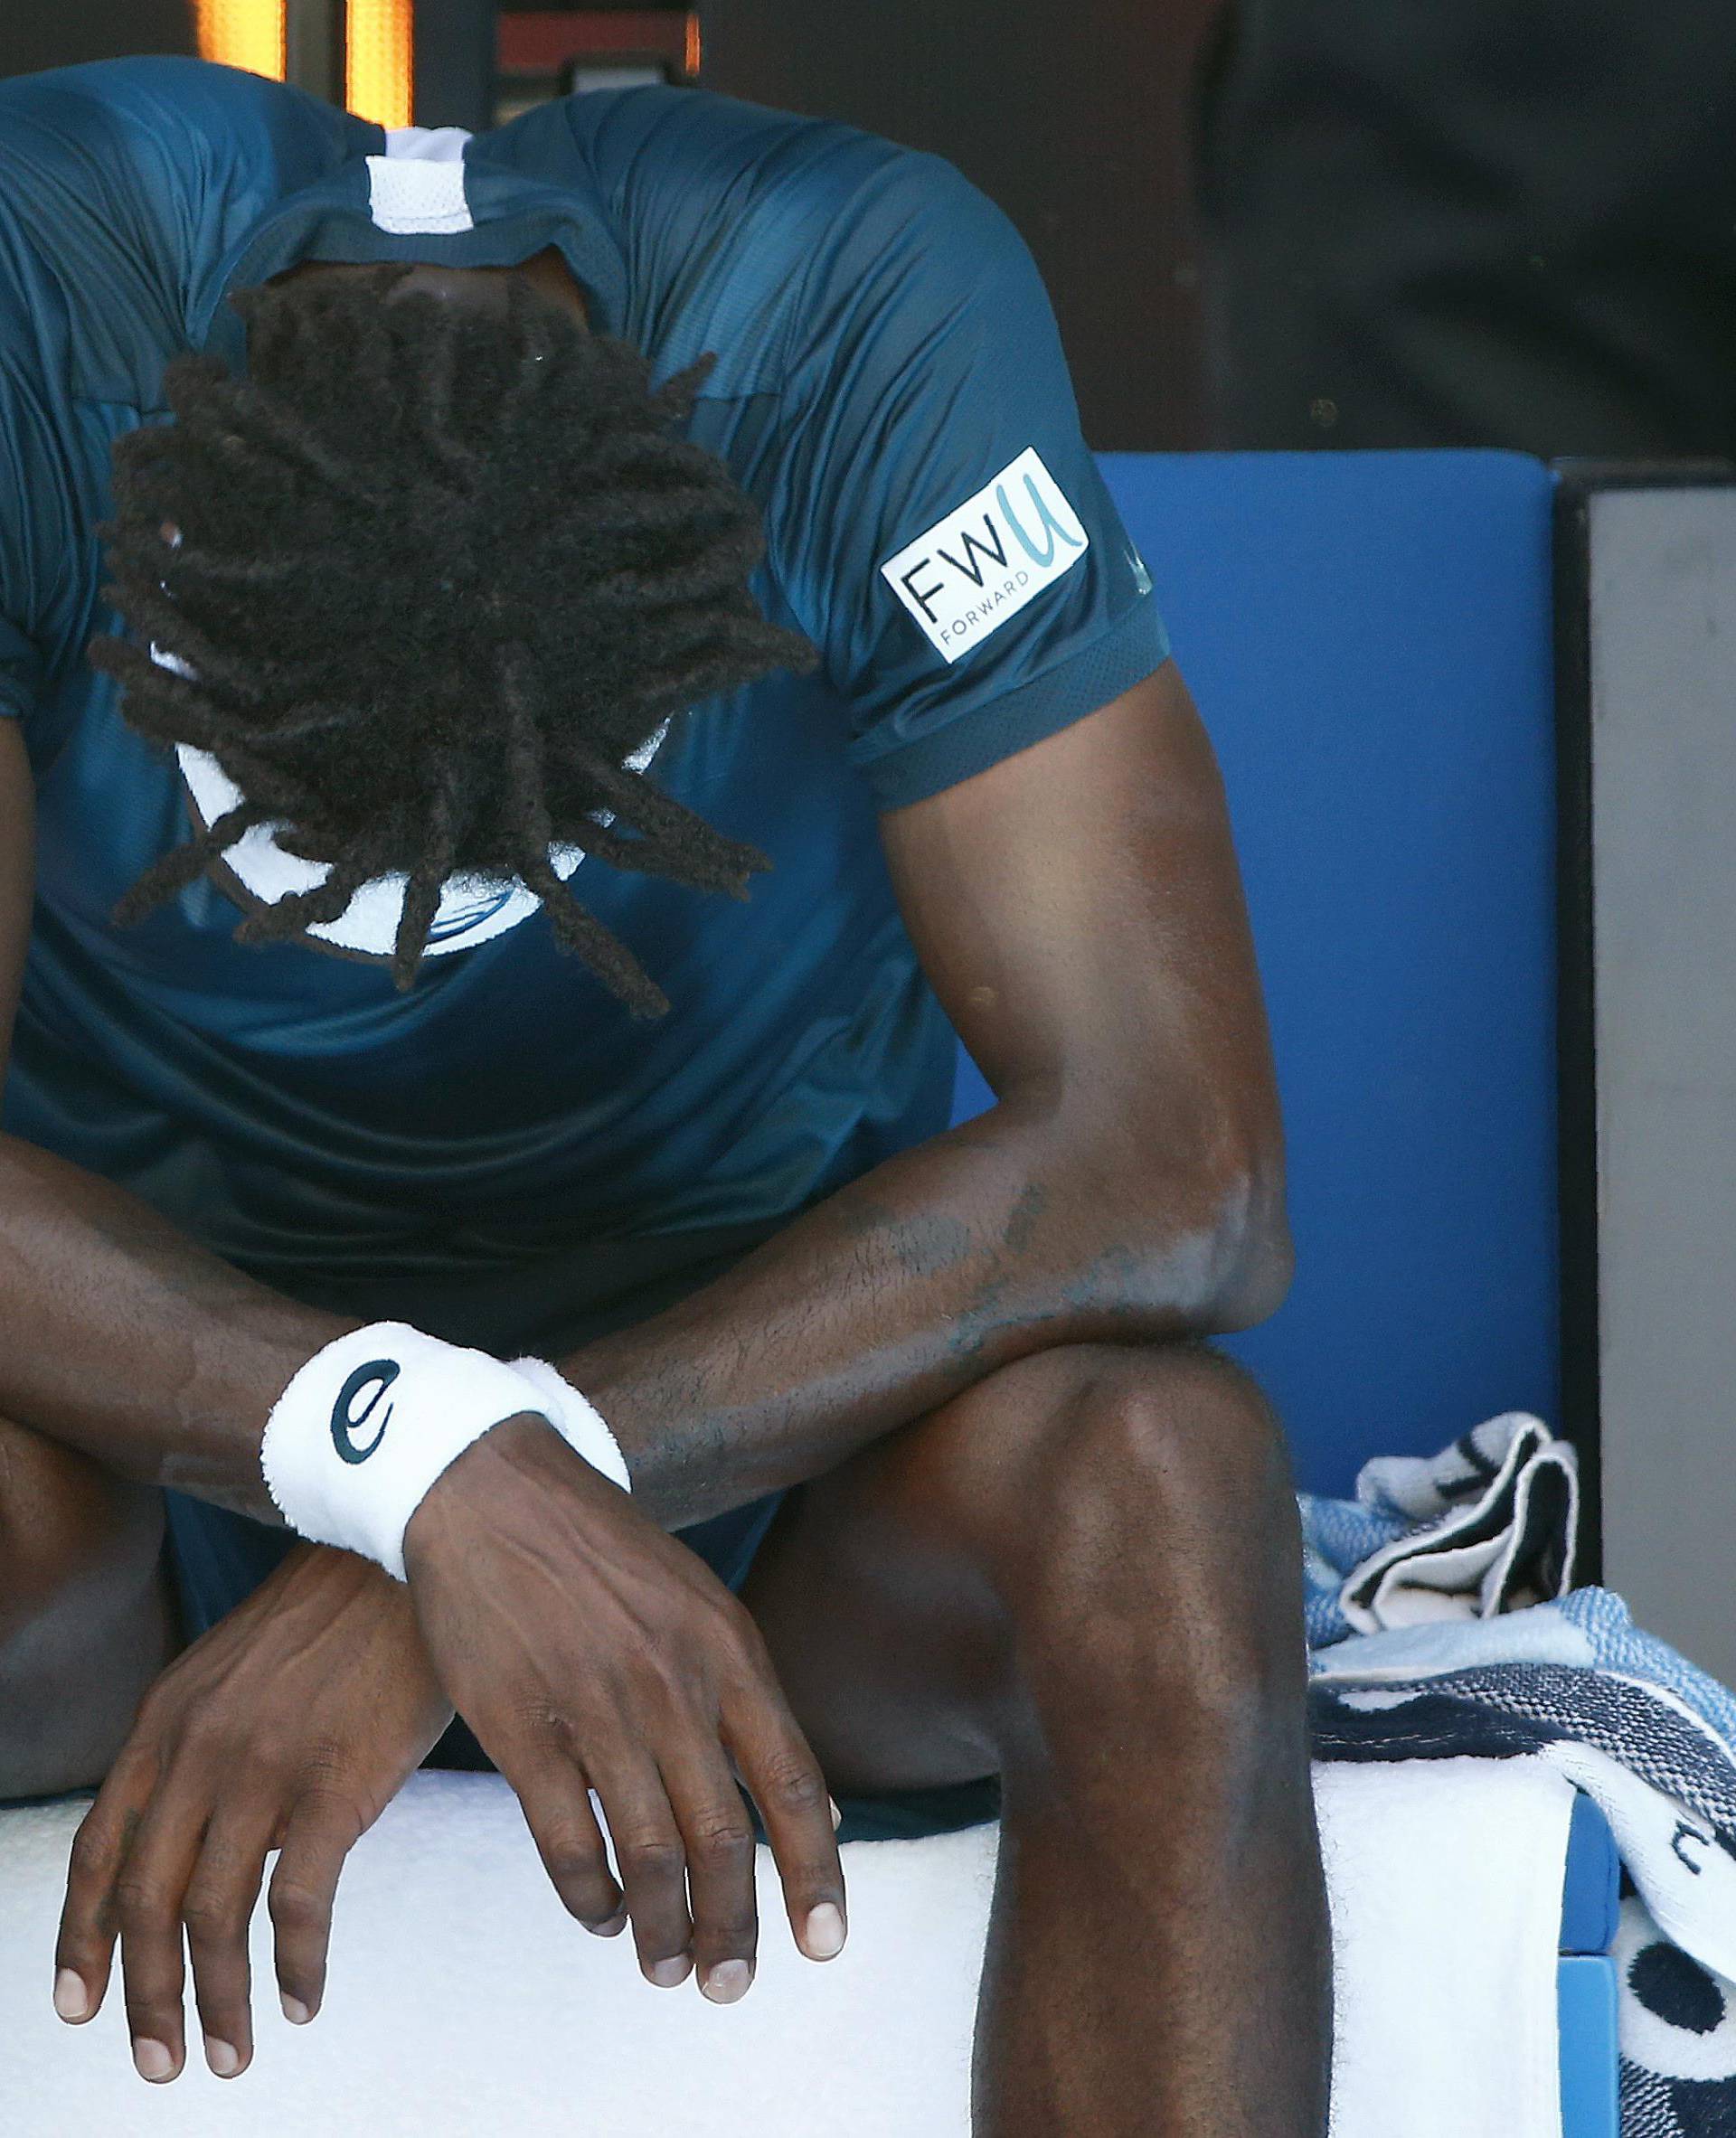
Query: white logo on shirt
x=472, y=910
x=982, y=564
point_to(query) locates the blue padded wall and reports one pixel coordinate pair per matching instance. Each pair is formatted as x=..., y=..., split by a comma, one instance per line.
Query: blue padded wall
x=1368, y=637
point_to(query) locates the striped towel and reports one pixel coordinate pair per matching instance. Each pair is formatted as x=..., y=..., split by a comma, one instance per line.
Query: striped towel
x=1441, y=1623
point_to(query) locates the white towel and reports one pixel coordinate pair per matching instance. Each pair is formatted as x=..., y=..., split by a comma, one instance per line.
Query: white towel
x=1445, y=1880
x=1497, y=1525
x=463, y=2001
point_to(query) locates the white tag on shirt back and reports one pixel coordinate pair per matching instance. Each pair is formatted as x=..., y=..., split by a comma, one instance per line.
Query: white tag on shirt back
x=982, y=564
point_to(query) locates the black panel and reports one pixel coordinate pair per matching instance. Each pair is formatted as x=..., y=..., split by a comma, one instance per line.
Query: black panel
x=454, y=63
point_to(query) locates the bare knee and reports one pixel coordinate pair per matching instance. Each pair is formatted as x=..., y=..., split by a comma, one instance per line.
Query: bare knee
x=1169, y=1469
x=85, y=1616
x=1102, y=1447
x=1149, y=1550
x=1176, y=1557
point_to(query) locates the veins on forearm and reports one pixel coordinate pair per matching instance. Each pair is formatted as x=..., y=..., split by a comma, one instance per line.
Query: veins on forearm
x=861, y=1317
x=187, y=1272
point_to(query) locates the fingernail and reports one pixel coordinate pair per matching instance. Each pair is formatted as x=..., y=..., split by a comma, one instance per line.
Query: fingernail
x=668, y=1974
x=223, y=2056
x=728, y=1981
x=69, y=1999
x=294, y=2010
x=825, y=1931
x=153, y=2059
x=610, y=1927
x=837, y=1816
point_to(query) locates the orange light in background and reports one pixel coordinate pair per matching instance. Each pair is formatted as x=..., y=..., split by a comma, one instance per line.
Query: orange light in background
x=379, y=59
x=692, y=46
x=242, y=34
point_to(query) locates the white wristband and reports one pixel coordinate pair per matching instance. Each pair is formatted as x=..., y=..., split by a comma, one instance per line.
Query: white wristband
x=366, y=1425
x=577, y=1420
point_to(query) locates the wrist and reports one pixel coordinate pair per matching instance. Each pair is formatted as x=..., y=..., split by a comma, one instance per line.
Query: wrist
x=466, y=1492
x=347, y=1576
x=369, y=1424
x=615, y=1384
x=264, y=1346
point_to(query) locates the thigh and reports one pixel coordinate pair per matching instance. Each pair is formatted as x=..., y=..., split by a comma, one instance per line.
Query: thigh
x=888, y=1652
x=86, y=1620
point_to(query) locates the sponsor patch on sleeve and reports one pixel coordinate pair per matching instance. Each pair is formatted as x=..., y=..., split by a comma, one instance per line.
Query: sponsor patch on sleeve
x=982, y=564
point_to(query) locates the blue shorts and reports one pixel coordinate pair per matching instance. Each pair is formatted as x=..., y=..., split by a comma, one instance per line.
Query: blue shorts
x=551, y=1305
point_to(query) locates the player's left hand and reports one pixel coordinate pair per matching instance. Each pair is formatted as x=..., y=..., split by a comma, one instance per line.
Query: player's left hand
x=590, y=1652
x=290, y=1724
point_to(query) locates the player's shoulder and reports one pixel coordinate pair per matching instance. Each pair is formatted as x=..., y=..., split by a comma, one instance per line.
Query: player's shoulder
x=827, y=177
x=161, y=99
x=155, y=152
x=709, y=140
x=780, y=239
x=124, y=184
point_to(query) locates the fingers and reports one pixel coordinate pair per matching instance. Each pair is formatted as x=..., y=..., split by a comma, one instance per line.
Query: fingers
x=153, y=1863
x=219, y=1906
x=679, y=1833
x=717, y=1837
x=322, y=1830
x=89, y=1918
x=652, y=1861
x=556, y=1804
x=790, y=1792
x=149, y=1892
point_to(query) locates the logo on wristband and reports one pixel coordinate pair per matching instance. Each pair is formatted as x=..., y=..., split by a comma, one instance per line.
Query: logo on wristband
x=377, y=1376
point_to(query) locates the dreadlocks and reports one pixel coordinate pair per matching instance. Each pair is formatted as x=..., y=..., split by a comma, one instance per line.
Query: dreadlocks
x=429, y=577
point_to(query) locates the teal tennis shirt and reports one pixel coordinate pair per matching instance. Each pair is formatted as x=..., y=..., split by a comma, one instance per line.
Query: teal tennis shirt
x=890, y=388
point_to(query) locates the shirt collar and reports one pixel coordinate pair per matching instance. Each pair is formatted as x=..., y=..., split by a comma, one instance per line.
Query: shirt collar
x=420, y=195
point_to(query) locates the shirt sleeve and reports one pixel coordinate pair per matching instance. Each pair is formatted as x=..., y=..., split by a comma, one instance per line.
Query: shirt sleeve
x=20, y=672
x=32, y=518
x=939, y=527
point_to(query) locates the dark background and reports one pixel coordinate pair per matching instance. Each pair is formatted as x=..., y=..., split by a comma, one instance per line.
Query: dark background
x=1275, y=224
x=35, y=34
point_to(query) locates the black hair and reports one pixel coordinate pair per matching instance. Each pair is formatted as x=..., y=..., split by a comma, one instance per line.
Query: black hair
x=441, y=570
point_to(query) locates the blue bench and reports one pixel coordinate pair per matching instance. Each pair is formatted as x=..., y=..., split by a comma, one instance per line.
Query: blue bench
x=1370, y=638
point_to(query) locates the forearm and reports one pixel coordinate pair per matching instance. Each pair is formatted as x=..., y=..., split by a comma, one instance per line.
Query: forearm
x=1002, y=1237
x=121, y=1337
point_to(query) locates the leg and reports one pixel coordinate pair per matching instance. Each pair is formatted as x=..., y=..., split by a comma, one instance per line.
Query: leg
x=1085, y=1574
x=86, y=1616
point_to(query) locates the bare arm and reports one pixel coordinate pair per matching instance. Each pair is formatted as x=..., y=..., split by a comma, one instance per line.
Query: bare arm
x=118, y=1335
x=1078, y=911
x=304, y=1709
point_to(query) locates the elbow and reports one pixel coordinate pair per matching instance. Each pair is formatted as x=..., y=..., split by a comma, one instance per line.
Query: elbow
x=1217, y=1255
x=1254, y=1258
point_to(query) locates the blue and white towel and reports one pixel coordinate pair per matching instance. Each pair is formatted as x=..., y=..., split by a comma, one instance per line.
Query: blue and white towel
x=1441, y=1623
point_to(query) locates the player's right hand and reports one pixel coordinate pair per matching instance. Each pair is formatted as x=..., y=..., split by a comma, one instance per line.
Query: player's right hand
x=290, y=1724
x=588, y=1650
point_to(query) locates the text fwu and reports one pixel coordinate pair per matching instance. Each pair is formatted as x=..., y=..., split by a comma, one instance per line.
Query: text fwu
x=981, y=564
